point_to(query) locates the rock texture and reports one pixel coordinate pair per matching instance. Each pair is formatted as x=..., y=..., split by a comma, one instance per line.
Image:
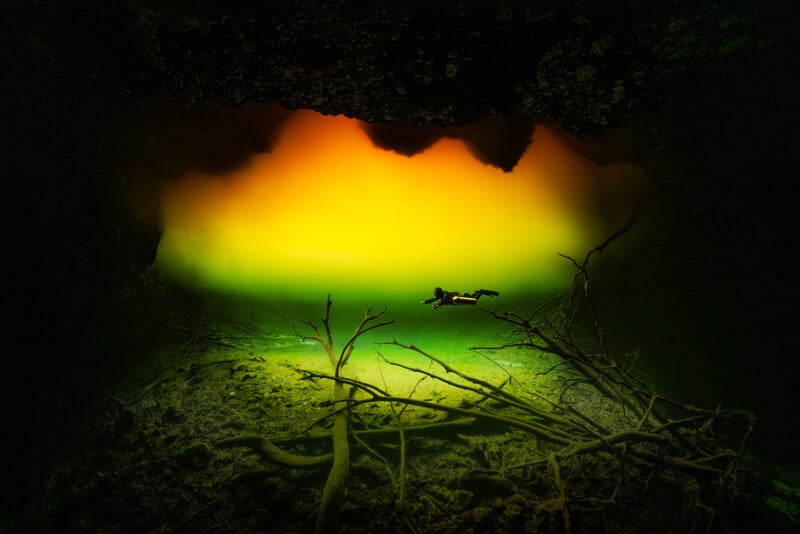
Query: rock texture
x=583, y=64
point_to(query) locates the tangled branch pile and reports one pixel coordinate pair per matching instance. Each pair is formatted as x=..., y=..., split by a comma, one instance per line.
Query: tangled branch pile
x=603, y=449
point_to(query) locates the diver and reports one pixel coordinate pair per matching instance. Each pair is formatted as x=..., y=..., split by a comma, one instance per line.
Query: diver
x=454, y=298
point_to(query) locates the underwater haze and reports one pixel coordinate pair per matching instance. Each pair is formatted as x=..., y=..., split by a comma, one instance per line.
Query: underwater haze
x=624, y=368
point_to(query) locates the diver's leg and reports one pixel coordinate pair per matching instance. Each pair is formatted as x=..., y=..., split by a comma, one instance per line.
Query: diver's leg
x=489, y=292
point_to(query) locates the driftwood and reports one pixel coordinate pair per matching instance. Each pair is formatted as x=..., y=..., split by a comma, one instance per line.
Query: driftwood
x=653, y=433
x=334, y=492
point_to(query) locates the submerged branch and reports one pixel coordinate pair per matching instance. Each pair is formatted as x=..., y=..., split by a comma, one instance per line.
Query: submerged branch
x=624, y=425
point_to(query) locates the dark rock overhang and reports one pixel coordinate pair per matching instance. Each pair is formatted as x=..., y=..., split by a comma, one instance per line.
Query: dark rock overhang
x=582, y=64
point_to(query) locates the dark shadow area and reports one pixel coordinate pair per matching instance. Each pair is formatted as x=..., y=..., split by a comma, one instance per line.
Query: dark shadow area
x=496, y=141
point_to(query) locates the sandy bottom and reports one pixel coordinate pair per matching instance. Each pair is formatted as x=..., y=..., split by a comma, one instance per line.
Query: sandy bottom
x=172, y=468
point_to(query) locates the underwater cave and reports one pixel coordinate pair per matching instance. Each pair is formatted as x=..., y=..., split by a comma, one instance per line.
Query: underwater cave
x=396, y=267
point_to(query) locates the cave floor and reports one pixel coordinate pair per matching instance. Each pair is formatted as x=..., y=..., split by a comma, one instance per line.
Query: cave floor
x=169, y=469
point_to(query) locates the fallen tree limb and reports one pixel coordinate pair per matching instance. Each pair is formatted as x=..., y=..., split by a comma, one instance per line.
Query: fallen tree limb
x=616, y=425
x=264, y=448
x=333, y=494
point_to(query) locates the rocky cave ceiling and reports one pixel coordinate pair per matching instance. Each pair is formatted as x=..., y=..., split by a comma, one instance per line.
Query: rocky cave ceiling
x=582, y=64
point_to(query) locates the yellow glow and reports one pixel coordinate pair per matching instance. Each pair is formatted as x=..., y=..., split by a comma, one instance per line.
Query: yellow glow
x=326, y=211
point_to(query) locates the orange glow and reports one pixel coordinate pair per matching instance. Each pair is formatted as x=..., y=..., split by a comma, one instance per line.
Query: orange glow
x=326, y=211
